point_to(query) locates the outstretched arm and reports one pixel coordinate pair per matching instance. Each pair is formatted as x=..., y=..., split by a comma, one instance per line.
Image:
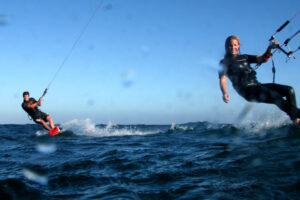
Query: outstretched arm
x=223, y=86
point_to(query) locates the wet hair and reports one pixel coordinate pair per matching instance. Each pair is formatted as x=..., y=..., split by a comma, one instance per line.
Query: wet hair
x=25, y=93
x=228, y=41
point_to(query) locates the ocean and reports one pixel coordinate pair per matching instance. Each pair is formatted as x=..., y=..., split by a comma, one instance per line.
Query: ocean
x=199, y=160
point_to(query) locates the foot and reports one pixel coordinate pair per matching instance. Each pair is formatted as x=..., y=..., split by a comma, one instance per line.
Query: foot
x=297, y=121
x=54, y=131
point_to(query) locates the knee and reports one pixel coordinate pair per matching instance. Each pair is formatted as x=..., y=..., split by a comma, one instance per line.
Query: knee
x=39, y=121
x=291, y=91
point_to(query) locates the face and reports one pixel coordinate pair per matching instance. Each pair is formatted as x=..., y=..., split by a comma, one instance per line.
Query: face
x=26, y=97
x=234, y=47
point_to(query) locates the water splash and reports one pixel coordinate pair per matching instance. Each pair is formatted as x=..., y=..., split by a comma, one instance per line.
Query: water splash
x=261, y=125
x=46, y=148
x=127, y=78
x=35, y=176
x=4, y=19
x=175, y=126
x=110, y=125
x=41, y=133
x=88, y=128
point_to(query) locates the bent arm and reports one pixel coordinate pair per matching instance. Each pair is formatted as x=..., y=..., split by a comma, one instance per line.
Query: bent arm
x=40, y=101
x=35, y=104
x=265, y=57
x=223, y=86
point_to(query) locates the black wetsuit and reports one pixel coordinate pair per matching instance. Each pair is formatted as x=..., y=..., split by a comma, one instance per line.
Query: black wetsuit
x=34, y=113
x=244, y=81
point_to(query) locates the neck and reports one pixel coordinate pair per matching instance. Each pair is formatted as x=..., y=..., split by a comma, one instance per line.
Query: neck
x=229, y=55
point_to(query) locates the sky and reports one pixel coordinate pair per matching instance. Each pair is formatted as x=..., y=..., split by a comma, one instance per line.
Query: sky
x=138, y=61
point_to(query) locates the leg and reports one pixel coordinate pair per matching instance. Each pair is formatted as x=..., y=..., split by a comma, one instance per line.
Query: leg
x=284, y=90
x=40, y=121
x=49, y=119
x=273, y=93
x=43, y=118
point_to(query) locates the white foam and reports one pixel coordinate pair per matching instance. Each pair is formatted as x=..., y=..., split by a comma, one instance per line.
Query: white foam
x=256, y=118
x=110, y=125
x=41, y=133
x=175, y=126
x=264, y=123
x=88, y=128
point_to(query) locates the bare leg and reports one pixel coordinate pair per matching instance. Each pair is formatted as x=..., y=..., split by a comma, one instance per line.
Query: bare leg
x=50, y=122
x=44, y=124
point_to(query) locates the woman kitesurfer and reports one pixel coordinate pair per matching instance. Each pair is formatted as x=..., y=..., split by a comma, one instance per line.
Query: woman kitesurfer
x=243, y=77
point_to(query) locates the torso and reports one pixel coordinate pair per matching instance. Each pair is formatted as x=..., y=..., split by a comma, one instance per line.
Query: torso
x=239, y=71
x=31, y=111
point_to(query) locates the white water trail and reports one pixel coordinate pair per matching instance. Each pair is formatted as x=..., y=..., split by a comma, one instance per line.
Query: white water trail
x=88, y=128
x=41, y=133
x=263, y=123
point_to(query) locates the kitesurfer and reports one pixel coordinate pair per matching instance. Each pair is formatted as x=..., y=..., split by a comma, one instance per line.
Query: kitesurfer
x=243, y=77
x=30, y=105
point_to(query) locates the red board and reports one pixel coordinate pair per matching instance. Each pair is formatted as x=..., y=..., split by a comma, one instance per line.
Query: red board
x=54, y=131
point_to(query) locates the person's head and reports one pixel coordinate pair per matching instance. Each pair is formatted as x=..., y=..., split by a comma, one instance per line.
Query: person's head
x=232, y=45
x=26, y=96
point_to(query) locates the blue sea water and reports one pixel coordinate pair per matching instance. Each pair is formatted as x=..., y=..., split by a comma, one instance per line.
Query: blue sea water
x=185, y=161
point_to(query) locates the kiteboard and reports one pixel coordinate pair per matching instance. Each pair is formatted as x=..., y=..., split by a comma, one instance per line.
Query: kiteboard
x=58, y=131
x=54, y=131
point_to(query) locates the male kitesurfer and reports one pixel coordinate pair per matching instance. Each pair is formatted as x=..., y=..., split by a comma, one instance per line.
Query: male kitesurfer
x=243, y=77
x=30, y=105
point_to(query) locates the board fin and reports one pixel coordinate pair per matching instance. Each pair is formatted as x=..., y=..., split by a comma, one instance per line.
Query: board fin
x=54, y=131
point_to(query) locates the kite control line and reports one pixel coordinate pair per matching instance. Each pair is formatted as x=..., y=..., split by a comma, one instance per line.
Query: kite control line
x=289, y=39
x=289, y=53
x=73, y=47
x=283, y=26
x=45, y=92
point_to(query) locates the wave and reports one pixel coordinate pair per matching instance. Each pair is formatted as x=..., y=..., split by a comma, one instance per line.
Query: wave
x=17, y=189
x=269, y=129
x=88, y=128
x=195, y=160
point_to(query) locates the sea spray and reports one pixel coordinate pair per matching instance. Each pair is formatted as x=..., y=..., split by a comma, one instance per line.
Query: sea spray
x=88, y=128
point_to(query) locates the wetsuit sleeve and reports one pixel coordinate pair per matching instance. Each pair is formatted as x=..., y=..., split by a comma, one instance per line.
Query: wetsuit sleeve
x=252, y=59
x=223, y=70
